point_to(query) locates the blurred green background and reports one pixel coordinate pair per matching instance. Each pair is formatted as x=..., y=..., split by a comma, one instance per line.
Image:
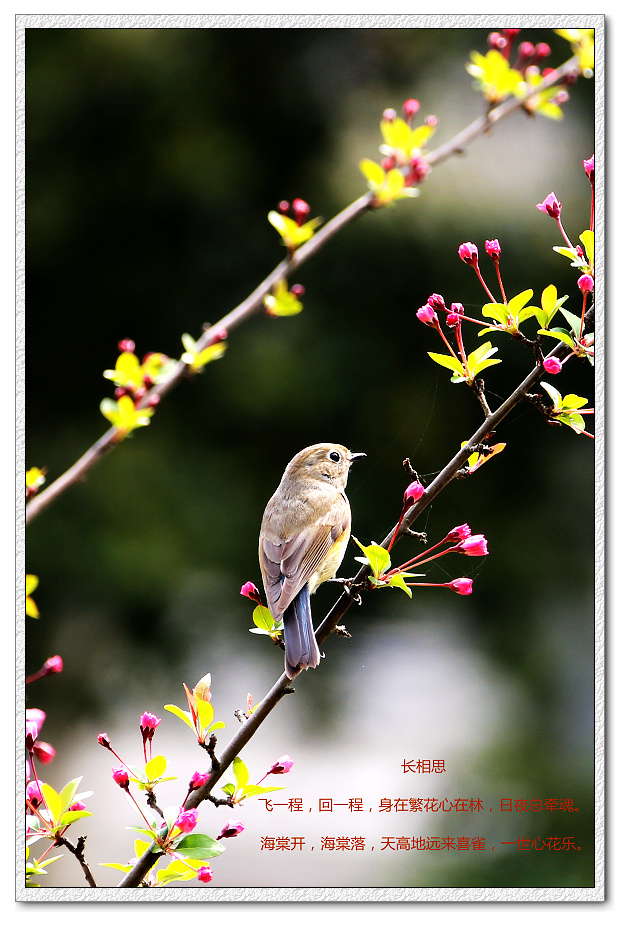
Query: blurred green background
x=152, y=159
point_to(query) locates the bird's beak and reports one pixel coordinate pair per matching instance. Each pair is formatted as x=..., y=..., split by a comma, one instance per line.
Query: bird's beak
x=357, y=455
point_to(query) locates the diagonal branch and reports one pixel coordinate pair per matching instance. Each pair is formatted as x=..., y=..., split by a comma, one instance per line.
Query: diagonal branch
x=254, y=302
x=283, y=685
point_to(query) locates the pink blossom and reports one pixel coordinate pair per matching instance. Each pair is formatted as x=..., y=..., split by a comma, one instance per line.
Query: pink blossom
x=550, y=205
x=44, y=752
x=205, y=874
x=588, y=167
x=468, y=252
x=552, y=366
x=53, y=666
x=281, y=766
x=301, y=211
x=436, y=302
x=585, y=283
x=250, y=590
x=126, y=345
x=104, y=740
x=198, y=779
x=186, y=821
x=453, y=319
x=459, y=532
x=462, y=585
x=121, y=777
x=149, y=721
x=473, y=545
x=493, y=249
x=33, y=793
x=231, y=828
x=414, y=492
x=410, y=108
x=427, y=315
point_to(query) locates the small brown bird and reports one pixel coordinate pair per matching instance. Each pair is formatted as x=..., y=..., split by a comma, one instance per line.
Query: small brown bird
x=303, y=537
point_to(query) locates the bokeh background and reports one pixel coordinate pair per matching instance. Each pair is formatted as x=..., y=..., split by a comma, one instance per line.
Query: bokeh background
x=152, y=158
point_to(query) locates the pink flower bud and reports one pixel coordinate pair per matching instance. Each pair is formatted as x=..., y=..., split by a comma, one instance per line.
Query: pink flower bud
x=552, y=366
x=126, y=345
x=542, y=50
x=493, y=249
x=149, y=721
x=459, y=533
x=550, y=205
x=186, y=821
x=453, y=319
x=281, y=766
x=231, y=828
x=389, y=115
x=205, y=874
x=250, y=590
x=418, y=169
x=33, y=793
x=301, y=211
x=511, y=33
x=388, y=163
x=121, y=777
x=473, y=545
x=298, y=290
x=436, y=302
x=44, y=752
x=32, y=731
x=410, y=108
x=284, y=206
x=588, y=167
x=497, y=40
x=427, y=315
x=104, y=740
x=413, y=493
x=77, y=806
x=53, y=666
x=468, y=252
x=462, y=585
x=197, y=780
x=457, y=308
x=585, y=283
x=431, y=121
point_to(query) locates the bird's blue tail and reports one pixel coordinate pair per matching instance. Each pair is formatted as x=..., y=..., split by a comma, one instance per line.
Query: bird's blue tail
x=302, y=650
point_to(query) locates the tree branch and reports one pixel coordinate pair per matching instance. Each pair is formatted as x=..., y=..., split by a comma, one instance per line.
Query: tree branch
x=254, y=302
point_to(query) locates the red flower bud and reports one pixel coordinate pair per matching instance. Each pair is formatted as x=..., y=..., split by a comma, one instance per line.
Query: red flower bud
x=552, y=366
x=413, y=493
x=493, y=249
x=121, y=777
x=468, y=252
x=301, y=211
x=462, y=585
x=588, y=167
x=550, y=205
x=585, y=283
x=126, y=345
x=410, y=108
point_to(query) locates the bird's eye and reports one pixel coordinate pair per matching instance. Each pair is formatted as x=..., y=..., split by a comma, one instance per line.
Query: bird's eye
x=334, y=456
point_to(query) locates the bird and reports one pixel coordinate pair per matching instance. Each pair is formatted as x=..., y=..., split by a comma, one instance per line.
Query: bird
x=303, y=537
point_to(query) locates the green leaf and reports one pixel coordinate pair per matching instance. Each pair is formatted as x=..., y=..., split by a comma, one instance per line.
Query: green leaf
x=116, y=865
x=263, y=618
x=573, y=321
x=229, y=789
x=553, y=393
x=180, y=714
x=250, y=790
x=496, y=312
x=67, y=794
x=241, y=772
x=155, y=768
x=71, y=816
x=199, y=846
x=448, y=361
x=52, y=801
x=378, y=557
x=571, y=401
x=561, y=334
x=397, y=581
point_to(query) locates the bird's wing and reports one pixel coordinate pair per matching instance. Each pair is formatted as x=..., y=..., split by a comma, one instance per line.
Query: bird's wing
x=288, y=564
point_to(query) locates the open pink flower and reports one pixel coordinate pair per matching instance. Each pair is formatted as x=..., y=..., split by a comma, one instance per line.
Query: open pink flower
x=550, y=205
x=473, y=545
